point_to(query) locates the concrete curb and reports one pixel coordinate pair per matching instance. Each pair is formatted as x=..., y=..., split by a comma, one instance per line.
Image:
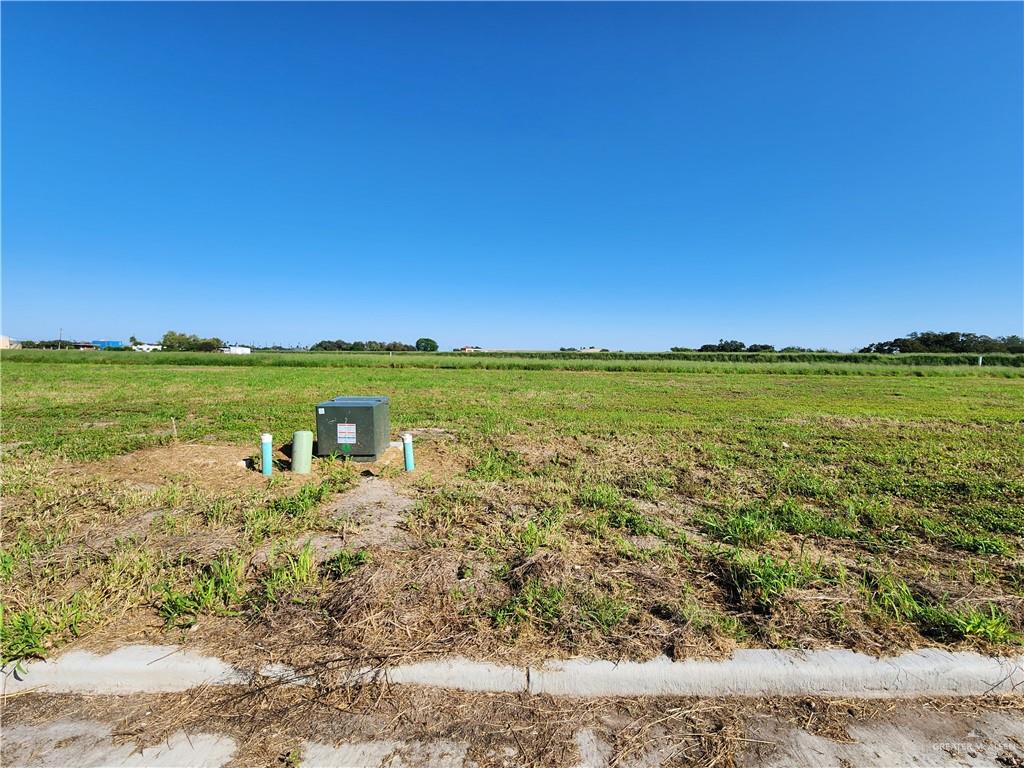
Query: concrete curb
x=454, y=673
x=131, y=669
x=927, y=672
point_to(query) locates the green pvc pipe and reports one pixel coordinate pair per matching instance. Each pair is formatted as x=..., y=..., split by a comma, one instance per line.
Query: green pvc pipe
x=302, y=452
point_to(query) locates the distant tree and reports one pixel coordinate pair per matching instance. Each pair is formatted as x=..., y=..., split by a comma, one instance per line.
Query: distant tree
x=426, y=345
x=731, y=346
x=947, y=341
x=328, y=346
x=182, y=342
x=760, y=348
x=724, y=346
x=340, y=345
x=133, y=341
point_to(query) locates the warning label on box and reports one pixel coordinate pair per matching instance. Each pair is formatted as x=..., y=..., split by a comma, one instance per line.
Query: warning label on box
x=346, y=433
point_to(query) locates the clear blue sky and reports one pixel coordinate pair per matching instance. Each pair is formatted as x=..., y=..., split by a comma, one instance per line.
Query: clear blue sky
x=515, y=175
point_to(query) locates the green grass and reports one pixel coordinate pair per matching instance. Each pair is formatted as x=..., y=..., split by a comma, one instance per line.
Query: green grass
x=755, y=524
x=764, y=579
x=534, y=603
x=602, y=612
x=341, y=564
x=496, y=465
x=743, y=527
x=288, y=573
x=894, y=598
x=614, y=361
x=613, y=510
x=743, y=481
x=218, y=588
x=22, y=634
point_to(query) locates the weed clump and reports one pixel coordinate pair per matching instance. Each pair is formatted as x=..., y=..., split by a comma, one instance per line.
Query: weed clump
x=602, y=612
x=893, y=597
x=288, y=572
x=764, y=580
x=341, y=564
x=613, y=510
x=497, y=464
x=756, y=524
x=216, y=589
x=535, y=602
x=22, y=634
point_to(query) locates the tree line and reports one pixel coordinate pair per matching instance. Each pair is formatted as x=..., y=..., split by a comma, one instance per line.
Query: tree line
x=948, y=341
x=188, y=342
x=732, y=345
x=340, y=345
x=926, y=341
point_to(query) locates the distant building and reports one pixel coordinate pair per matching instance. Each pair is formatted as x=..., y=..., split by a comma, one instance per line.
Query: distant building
x=468, y=349
x=6, y=342
x=236, y=350
x=147, y=347
x=107, y=344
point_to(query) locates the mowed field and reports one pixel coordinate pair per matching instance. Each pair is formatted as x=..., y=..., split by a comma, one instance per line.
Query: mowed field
x=620, y=514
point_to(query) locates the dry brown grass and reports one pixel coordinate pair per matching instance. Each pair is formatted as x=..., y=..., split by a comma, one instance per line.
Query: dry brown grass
x=502, y=729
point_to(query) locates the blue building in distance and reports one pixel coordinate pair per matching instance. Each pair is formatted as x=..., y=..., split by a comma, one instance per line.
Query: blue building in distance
x=108, y=344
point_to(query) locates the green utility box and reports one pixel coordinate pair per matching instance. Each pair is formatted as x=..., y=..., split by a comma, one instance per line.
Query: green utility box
x=358, y=427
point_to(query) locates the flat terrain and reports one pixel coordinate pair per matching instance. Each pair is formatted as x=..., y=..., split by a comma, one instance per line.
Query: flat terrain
x=553, y=513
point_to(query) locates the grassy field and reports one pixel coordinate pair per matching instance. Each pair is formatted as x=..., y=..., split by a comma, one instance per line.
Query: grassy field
x=686, y=509
x=996, y=364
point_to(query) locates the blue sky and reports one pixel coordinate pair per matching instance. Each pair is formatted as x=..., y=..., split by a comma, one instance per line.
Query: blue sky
x=513, y=175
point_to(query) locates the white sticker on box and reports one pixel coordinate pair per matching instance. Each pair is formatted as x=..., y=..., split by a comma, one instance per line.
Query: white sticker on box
x=319, y=410
x=346, y=433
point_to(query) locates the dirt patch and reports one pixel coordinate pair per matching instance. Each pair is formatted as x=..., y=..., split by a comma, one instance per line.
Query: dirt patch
x=439, y=457
x=206, y=467
x=224, y=468
x=376, y=510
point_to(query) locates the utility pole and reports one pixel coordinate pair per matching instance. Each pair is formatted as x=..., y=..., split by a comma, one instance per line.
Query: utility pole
x=60, y=336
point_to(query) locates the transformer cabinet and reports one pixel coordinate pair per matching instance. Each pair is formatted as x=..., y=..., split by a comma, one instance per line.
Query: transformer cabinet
x=357, y=427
